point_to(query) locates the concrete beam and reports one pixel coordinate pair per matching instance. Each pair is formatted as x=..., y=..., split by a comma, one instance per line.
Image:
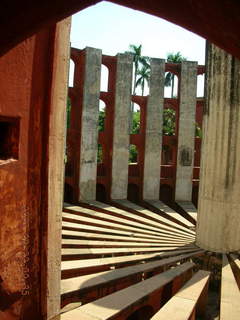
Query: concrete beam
x=120, y=151
x=153, y=133
x=186, y=135
x=89, y=124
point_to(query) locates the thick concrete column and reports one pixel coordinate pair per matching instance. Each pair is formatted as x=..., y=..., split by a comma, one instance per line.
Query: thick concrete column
x=218, y=227
x=56, y=152
x=120, y=151
x=186, y=135
x=89, y=124
x=153, y=133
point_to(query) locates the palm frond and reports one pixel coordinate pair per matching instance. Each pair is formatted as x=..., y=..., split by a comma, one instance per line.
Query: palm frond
x=139, y=81
x=168, y=79
x=175, y=57
x=145, y=61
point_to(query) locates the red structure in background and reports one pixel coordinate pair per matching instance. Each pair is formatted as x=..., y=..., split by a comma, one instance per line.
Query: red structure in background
x=105, y=139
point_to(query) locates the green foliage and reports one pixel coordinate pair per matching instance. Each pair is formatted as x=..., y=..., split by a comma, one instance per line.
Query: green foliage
x=141, y=67
x=101, y=119
x=133, y=153
x=143, y=77
x=175, y=57
x=169, y=120
x=135, y=130
x=169, y=78
x=198, y=131
x=136, y=123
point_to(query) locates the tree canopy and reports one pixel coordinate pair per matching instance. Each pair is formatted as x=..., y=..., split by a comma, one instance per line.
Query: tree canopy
x=143, y=77
x=141, y=67
x=101, y=119
x=170, y=77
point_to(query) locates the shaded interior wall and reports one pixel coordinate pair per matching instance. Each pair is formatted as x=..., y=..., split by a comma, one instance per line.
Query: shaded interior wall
x=25, y=81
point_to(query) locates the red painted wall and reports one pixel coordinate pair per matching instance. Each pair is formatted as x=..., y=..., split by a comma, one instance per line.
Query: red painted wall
x=25, y=78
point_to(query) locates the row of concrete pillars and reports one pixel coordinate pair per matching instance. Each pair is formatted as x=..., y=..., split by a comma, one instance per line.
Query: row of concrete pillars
x=88, y=84
x=218, y=227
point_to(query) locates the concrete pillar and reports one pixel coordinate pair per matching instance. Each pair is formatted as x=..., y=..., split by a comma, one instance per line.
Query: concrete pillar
x=218, y=227
x=120, y=151
x=89, y=124
x=56, y=152
x=153, y=133
x=186, y=135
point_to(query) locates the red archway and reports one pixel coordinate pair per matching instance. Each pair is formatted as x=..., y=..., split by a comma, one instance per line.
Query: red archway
x=217, y=21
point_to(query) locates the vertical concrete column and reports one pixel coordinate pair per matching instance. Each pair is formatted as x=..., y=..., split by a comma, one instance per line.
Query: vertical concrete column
x=153, y=133
x=89, y=124
x=56, y=151
x=186, y=134
x=218, y=227
x=120, y=151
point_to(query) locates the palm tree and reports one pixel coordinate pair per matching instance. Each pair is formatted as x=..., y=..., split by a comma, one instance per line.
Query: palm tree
x=173, y=58
x=138, y=60
x=144, y=76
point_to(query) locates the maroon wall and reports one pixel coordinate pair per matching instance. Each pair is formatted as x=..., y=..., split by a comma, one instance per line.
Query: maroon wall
x=25, y=78
x=218, y=21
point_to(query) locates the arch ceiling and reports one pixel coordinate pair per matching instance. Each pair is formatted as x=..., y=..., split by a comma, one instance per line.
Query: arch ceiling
x=218, y=21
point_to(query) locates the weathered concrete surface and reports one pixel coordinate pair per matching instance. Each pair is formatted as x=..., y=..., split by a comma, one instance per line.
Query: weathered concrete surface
x=89, y=124
x=189, y=208
x=153, y=133
x=170, y=213
x=120, y=152
x=186, y=136
x=57, y=137
x=218, y=227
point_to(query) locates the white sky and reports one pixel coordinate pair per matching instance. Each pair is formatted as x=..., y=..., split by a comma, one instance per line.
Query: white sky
x=112, y=28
